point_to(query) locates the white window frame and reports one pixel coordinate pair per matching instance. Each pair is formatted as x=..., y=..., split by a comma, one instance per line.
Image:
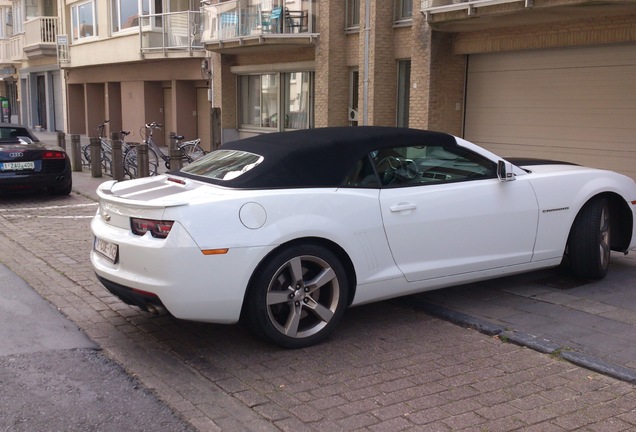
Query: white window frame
x=18, y=16
x=144, y=7
x=284, y=100
x=75, y=26
x=156, y=22
x=116, y=18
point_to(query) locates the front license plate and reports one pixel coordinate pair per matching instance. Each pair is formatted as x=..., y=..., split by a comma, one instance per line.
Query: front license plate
x=106, y=248
x=17, y=166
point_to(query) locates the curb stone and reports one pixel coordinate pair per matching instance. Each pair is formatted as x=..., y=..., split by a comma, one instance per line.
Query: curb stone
x=526, y=340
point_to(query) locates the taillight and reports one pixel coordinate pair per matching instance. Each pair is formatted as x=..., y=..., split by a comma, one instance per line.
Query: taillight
x=53, y=154
x=157, y=228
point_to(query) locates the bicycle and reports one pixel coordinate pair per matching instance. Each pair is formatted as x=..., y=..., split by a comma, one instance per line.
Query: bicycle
x=190, y=151
x=105, y=148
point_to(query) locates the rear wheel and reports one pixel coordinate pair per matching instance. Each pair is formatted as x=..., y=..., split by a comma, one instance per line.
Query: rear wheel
x=63, y=190
x=298, y=297
x=589, y=244
x=131, y=168
x=191, y=152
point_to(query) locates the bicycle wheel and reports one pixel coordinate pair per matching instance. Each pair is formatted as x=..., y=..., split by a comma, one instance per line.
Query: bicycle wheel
x=131, y=168
x=107, y=161
x=86, y=155
x=191, y=151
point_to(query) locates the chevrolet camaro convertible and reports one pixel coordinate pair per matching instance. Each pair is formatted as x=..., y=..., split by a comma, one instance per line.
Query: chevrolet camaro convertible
x=285, y=231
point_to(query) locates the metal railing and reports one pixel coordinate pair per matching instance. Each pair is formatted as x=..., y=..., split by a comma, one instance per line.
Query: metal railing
x=171, y=31
x=236, y=19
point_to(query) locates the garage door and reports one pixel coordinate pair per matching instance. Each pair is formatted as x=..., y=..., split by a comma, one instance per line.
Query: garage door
x=576, y=104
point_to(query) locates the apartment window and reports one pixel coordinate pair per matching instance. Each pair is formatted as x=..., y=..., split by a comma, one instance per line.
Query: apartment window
x=17, y=16
x=83, y=22
x=151, y=7
x=265, y=103
x=297, y=100
x=125, y=14
x=403, y=93
x=31, y=8
x=354, y=92
x=403, y=10
x=353, y=15
x=5, y=17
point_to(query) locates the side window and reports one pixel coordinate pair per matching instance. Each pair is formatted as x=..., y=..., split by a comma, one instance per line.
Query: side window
x=83, y=22
x=362, y=175
x=421, y=165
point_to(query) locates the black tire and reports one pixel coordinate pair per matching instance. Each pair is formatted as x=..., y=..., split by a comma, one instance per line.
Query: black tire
x=64, y=190
x=589, y=244
x=287, y=302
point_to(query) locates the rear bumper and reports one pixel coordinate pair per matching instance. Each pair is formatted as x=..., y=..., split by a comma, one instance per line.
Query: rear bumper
x=34, y=180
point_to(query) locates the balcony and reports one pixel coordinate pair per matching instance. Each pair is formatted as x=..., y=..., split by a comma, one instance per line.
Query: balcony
x=475, y=15
x=171, y=32
x=6, y=52
x=238, y=24
x=39, y=37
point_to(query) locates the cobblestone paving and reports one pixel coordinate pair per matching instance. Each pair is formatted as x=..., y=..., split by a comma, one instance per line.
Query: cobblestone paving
x=387, y=368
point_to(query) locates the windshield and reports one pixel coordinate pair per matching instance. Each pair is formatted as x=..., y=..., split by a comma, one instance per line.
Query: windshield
x=223, y=164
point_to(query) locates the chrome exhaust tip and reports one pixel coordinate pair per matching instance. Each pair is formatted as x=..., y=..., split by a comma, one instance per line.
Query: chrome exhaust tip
x=155, y=309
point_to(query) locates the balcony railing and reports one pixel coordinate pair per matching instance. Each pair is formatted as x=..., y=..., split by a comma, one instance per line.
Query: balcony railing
x=16, y=48
x=40, y=30
x=258, y=18
x=39, y=37
x=5, y=51
x=173, y=31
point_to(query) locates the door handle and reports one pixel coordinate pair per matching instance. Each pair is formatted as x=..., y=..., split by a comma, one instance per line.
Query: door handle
x=402, y=207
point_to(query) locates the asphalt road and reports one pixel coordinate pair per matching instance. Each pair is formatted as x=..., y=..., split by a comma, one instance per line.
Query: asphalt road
x=54, y=378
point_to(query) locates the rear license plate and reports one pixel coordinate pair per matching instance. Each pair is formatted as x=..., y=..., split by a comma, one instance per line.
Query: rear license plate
x=17, y=166
x=106, y=248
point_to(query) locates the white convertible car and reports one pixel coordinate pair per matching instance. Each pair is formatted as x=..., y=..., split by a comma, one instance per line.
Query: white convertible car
x=286, y=230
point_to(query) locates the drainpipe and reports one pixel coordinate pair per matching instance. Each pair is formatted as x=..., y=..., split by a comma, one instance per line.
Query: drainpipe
x=365, y=78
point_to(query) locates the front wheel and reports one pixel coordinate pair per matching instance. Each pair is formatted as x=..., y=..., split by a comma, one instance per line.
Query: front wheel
x=298, y=297
x=589, y=244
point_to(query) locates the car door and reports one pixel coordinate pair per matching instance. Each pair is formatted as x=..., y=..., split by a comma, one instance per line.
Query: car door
x=446, y=213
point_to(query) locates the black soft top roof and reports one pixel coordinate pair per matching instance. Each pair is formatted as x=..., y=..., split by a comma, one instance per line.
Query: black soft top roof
x=320, y=157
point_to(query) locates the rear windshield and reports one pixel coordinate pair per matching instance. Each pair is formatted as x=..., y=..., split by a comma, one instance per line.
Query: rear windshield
x=223, y=164
x=14, y=134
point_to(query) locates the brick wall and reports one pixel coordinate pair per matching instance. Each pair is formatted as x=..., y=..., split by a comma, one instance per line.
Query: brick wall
x=438, y=57
x=332, y=73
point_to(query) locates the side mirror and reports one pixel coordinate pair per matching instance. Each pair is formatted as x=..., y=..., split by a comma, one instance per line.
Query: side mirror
x=504, y=171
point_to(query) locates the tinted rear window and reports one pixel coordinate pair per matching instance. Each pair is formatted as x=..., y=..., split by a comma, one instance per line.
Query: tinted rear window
x=224, y=164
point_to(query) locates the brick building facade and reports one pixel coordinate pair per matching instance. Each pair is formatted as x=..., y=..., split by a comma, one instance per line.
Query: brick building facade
x=441, y=41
